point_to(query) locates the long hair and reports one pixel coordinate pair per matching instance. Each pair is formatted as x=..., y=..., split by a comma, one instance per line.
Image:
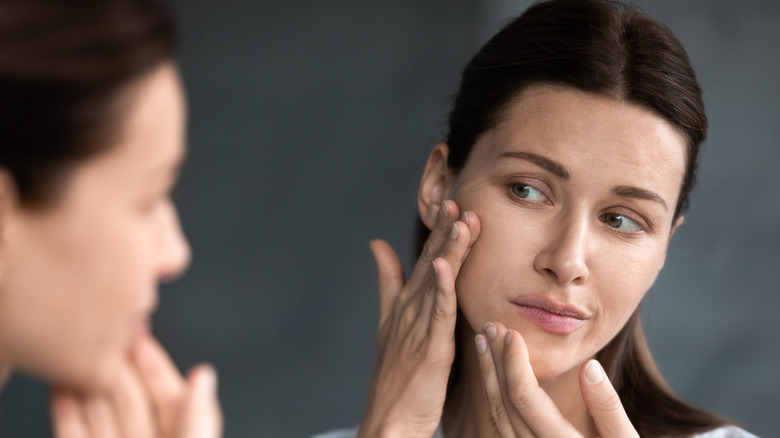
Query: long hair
x=606, y=48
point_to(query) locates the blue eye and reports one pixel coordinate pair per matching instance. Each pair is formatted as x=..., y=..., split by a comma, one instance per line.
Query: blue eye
x=622, y=223
x=528, y=193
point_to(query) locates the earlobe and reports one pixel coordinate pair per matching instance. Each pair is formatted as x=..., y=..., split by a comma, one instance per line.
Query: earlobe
x=677, y=223
x=434, y=184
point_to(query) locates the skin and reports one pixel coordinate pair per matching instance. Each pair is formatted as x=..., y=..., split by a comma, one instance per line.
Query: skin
x=572, y=233
x=103, y=246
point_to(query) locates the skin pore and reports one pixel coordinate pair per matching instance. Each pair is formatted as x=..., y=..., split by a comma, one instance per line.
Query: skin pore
x=575, y=193
x=78, y=279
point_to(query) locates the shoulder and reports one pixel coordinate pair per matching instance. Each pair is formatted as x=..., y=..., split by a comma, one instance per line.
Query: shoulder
x=726, y=432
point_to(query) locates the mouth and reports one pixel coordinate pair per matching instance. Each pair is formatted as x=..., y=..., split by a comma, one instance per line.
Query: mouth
x=549, y=315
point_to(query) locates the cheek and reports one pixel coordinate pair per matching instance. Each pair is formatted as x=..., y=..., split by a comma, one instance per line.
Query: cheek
x=498, y=262
x=621, y=279
x=79, y=315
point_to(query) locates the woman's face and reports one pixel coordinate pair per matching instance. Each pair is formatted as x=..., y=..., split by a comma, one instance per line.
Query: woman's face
x=576, y=195
x=79, y=279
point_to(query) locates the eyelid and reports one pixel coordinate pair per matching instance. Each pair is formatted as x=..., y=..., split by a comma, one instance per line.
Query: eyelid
x=638, y=218
x=536, y=183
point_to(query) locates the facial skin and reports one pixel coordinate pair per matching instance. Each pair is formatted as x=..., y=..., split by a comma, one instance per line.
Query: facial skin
x=79, y=279
x=551, y=231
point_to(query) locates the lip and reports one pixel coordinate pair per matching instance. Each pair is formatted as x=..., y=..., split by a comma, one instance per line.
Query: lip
x=549, y=315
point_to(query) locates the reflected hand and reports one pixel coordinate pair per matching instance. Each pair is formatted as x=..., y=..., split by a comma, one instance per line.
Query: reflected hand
x=521, y=408
x=149, y=399
x=417, y=330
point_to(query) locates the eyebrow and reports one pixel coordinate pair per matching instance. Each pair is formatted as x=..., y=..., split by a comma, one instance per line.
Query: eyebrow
x=559, y=170
x=637, y=193
x=553, y=166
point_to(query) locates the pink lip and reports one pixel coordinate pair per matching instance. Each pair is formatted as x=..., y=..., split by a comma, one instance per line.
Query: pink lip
x=562, y=319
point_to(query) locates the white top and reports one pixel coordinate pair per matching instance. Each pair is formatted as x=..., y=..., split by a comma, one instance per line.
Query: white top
x=721, y=432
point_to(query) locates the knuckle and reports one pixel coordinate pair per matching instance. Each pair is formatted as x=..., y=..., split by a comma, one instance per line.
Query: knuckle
x=497, y=409
x=429, y=250
x=611, y=404
x=521, y=397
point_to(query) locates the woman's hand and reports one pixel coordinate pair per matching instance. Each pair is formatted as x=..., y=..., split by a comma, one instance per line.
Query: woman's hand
x=521, y=408
x=417, y=330
x=149, y=399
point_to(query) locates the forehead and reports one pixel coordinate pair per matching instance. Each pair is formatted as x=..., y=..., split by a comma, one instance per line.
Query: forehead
x=153, y=128
x=591, y=135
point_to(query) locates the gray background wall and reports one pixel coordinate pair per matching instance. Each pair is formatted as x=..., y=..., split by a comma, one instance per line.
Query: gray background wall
x=310, y=124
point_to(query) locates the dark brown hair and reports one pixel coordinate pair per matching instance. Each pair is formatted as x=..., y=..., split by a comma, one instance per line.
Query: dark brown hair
x=611, y=49
x=63, y=67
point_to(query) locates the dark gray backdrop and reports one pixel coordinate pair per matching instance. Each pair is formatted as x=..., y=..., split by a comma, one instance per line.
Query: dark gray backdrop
x=310, y=124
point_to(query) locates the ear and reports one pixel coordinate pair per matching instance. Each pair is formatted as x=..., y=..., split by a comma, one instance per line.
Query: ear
x=434, y=185
x=677, y=222
x=8, y=200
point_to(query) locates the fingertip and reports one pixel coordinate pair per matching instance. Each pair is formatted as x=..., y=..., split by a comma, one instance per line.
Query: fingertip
x=481, y=343
x=63, y=403
x=594, y=373
x=204, y=378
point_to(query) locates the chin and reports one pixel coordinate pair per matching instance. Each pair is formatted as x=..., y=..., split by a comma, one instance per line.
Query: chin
x=95, y=374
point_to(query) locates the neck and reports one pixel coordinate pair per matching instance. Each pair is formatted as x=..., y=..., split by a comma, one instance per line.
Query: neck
x=466, y=412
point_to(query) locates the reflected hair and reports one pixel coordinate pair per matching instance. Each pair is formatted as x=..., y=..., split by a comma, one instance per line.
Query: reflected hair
x=65, y=68
x=610, y=49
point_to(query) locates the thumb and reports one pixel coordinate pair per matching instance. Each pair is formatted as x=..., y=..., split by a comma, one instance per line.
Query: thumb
x=603, y=402
x=202, y=417
x=390, y=275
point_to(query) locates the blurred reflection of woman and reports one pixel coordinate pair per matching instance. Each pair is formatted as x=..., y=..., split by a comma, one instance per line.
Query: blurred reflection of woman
x=92, y=119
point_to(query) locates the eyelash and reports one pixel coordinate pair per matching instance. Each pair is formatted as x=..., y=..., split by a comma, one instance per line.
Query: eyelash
x=522, y=184
x=643, y=225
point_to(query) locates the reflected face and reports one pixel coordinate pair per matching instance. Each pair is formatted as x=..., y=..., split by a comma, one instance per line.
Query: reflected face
x=576, y=195
x=79, y=279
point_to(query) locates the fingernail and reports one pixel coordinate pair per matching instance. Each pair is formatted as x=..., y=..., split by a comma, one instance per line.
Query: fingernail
x=435, y=268
x=454, y=232
x=208, y=378
x=481, y=344
x=443, y=209
x=490, y=330
x=142, y=353
x=593, y=372
x=65, y=405
x=464, y=217
x=508, y=337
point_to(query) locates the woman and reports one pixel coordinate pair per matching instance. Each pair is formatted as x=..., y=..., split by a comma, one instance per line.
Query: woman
x=92, y=127
x=571, y=153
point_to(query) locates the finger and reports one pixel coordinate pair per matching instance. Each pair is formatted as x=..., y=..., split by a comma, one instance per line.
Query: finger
x=445, y=306
x=440, y=234
x=475, y=226
x=493, y=393
x=202, y=417
x=68, y=421
x=439, y=287
x=390, y=276
x=100, y=417
x=530, y=401
x=164, y=385
x=497, y=333
x=603, y=403
x=133, y=410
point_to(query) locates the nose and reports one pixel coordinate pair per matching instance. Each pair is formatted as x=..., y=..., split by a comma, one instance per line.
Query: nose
x=563, y=258
x=174, y=250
